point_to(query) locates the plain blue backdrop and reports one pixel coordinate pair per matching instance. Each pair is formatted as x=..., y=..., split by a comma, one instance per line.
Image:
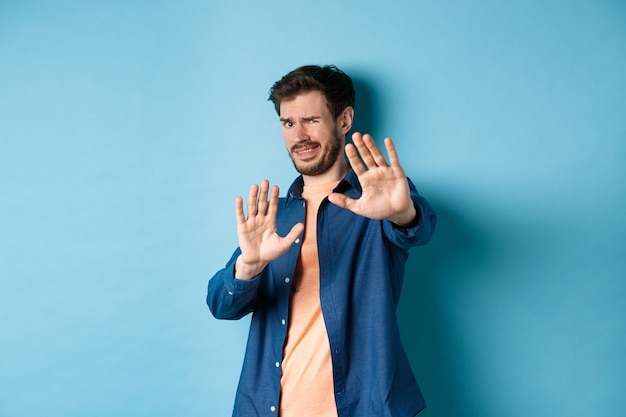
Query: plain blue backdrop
x=127, y=129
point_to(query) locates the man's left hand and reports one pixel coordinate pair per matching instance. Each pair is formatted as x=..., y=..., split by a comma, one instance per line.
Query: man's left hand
x=385, y=187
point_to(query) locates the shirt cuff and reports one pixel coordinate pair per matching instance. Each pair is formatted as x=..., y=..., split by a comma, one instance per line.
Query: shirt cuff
x=240, y=286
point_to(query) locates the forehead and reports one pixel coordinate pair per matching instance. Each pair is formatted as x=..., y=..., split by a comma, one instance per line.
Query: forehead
x=308, y=103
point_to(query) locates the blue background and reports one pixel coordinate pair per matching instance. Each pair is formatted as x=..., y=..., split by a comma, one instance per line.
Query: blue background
x=127, y=129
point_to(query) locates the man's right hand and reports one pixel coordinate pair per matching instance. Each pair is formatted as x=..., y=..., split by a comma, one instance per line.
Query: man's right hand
x=258, y=235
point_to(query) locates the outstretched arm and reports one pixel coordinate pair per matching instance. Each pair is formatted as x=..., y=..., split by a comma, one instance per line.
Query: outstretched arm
x=258, y=237
x=385, y=187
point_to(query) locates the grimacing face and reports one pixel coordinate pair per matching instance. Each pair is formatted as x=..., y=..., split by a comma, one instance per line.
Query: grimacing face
x=312, y=136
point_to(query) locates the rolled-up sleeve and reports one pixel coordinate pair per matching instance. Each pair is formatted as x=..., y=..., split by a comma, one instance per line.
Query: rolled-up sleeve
x=230, y=298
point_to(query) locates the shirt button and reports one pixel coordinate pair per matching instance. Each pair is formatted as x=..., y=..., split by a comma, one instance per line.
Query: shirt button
x=283, y=321
x=277, y=364
x=287, y=280
x=298, y=240
x=272, y=409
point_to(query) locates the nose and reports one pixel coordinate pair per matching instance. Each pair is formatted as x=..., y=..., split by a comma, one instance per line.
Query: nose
x=301, y=134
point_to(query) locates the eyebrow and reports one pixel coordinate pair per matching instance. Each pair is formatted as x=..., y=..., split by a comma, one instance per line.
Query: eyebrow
x=304, y=119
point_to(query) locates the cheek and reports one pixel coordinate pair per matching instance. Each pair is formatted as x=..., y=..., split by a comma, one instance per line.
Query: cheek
x=288, y=141
x=286, y=136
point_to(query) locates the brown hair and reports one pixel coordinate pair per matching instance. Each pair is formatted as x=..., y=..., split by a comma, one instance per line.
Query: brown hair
x=336, y=86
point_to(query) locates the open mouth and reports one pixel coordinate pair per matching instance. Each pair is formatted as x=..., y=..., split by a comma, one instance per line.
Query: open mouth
x=306, y=151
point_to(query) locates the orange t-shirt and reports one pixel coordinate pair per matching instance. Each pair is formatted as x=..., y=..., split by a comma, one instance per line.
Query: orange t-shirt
x=307, y=388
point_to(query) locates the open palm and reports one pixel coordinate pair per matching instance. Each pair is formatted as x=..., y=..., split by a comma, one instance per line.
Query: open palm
x=385, y=188
x=258, y=235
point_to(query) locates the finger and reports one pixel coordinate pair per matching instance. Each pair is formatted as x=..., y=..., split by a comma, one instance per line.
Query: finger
x=392, y=153
x=262, y=205
x=273, y=207
x=364, y=151
x=355, y=161
x=252, y=206
x=377, y=155
x=241, y=218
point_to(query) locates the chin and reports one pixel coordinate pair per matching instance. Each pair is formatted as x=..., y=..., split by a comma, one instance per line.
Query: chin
x=308, y=170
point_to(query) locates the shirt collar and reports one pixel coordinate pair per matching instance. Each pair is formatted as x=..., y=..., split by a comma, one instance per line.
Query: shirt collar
x=349, y=185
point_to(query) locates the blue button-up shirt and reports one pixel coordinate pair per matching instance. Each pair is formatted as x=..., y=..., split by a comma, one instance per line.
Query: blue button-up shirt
x=361, y=273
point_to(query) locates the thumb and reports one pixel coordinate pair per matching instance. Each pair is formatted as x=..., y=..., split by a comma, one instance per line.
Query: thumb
x=295, y=231
x=341, y=200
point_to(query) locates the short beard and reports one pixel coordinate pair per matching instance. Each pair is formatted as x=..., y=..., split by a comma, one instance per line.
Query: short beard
x=324, y=164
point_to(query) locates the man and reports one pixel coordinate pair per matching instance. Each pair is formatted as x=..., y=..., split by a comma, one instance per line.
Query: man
x=322, y=268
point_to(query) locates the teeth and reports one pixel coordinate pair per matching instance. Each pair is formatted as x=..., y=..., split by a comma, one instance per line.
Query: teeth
x=305, y=151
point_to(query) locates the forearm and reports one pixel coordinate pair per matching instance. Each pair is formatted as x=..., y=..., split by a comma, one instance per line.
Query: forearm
x=245, y=271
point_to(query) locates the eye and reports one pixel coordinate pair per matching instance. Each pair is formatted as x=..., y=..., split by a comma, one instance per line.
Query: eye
x=287, y=123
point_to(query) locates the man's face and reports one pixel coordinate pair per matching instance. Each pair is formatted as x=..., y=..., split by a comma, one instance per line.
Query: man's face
x=312, y=136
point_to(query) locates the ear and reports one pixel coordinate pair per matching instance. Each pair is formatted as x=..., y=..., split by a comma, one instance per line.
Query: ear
x=345, y=120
